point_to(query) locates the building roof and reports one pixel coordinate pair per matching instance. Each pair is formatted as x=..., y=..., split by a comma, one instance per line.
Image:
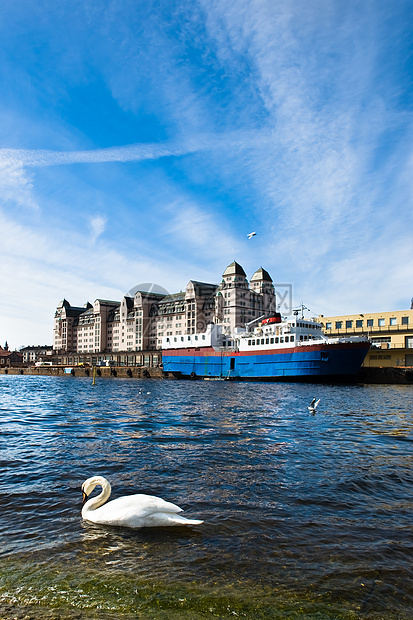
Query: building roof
x=36, y=347
x=74, y=312
x=150, y=294
x=109, y=302
x=261, y=274
x=203, y=288
x=173, y=297
x=129, y=302
x=14, y=354
x=234, y=269
x=87, y=312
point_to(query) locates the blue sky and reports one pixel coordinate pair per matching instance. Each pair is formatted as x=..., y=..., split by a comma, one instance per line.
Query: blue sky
x=142, y=141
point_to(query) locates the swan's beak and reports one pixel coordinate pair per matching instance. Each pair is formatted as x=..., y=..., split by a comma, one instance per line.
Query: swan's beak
x=84, y=498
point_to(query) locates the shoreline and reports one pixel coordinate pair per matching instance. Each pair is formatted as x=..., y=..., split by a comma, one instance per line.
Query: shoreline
x=367, y=375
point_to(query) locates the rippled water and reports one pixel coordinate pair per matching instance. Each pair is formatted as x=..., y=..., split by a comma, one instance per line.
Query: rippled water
x=306, y=516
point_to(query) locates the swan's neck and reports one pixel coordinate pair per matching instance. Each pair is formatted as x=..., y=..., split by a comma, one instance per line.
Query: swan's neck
x=95, y=502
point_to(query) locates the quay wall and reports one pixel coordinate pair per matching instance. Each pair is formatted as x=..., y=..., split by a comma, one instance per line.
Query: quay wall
x=372, y=375
x=393, y=375
x=104, y=371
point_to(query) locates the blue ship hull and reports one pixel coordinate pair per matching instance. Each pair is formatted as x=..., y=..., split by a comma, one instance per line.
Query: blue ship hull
x=315, y=361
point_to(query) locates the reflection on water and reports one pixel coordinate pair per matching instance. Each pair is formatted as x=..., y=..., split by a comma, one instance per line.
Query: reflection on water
x=305, y=515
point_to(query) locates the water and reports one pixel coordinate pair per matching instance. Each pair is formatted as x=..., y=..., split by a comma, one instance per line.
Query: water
x=306, y=516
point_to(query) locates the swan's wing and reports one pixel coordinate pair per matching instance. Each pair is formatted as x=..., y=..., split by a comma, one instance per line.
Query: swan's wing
x=140, y=504
x=151, y=503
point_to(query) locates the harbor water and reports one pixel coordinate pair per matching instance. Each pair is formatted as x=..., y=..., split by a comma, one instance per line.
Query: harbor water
x=305, y=515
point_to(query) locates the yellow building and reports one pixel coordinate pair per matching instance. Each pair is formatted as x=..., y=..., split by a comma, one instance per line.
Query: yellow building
x=391, y=335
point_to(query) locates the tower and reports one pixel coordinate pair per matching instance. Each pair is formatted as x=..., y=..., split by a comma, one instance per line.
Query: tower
x=261, y=283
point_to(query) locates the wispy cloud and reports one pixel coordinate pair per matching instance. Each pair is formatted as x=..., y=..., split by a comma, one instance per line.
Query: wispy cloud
x=134, y=153
x=16, y=186
x=316, y=73
x=204, y=235
x=97, y=226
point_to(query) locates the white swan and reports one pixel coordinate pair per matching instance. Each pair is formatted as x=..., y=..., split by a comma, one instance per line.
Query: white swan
x=131, y=510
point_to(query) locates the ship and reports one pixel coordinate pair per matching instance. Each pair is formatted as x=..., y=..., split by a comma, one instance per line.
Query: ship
x=275, y=349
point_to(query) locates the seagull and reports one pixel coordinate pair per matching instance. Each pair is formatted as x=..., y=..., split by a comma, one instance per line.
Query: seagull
x=250, y=235
x=313, y=407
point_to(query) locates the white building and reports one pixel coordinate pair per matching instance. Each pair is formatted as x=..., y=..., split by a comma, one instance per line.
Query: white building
x=35, y=353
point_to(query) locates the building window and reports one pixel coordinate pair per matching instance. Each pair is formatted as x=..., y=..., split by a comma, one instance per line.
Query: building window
x=393, y=321
x=339, y=324
x=381, y=322
x=405, y=320
x=328, y=325
x=370, y=322
x=359, y=323
x=349, y=324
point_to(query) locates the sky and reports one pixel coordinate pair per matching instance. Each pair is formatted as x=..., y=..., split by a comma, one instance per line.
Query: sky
x=141, y=141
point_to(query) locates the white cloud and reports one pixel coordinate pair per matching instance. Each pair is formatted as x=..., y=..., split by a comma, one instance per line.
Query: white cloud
x=16, y=184
x=206, y=237
x=19, y=158
x=97, y=226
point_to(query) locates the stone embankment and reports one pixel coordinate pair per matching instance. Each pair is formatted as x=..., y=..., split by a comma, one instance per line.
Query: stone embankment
x=365, y=375
x=386, y=375
x=141, y=372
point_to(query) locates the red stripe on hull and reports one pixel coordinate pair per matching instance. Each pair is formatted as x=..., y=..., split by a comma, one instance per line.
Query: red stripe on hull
x=210, y=351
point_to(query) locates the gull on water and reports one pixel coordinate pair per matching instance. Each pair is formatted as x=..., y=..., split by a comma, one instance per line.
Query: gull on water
x=313, y=406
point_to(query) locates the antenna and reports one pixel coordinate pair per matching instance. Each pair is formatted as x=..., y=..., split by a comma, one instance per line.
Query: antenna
x=301, y=309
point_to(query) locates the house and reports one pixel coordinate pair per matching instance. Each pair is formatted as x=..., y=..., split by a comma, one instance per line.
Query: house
x=10, y=358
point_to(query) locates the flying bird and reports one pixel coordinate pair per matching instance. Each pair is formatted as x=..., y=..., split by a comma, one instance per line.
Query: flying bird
x=313, y=406
x=250, y=235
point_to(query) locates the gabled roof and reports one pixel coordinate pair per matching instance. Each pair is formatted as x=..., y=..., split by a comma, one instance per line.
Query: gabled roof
x=234, y=269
